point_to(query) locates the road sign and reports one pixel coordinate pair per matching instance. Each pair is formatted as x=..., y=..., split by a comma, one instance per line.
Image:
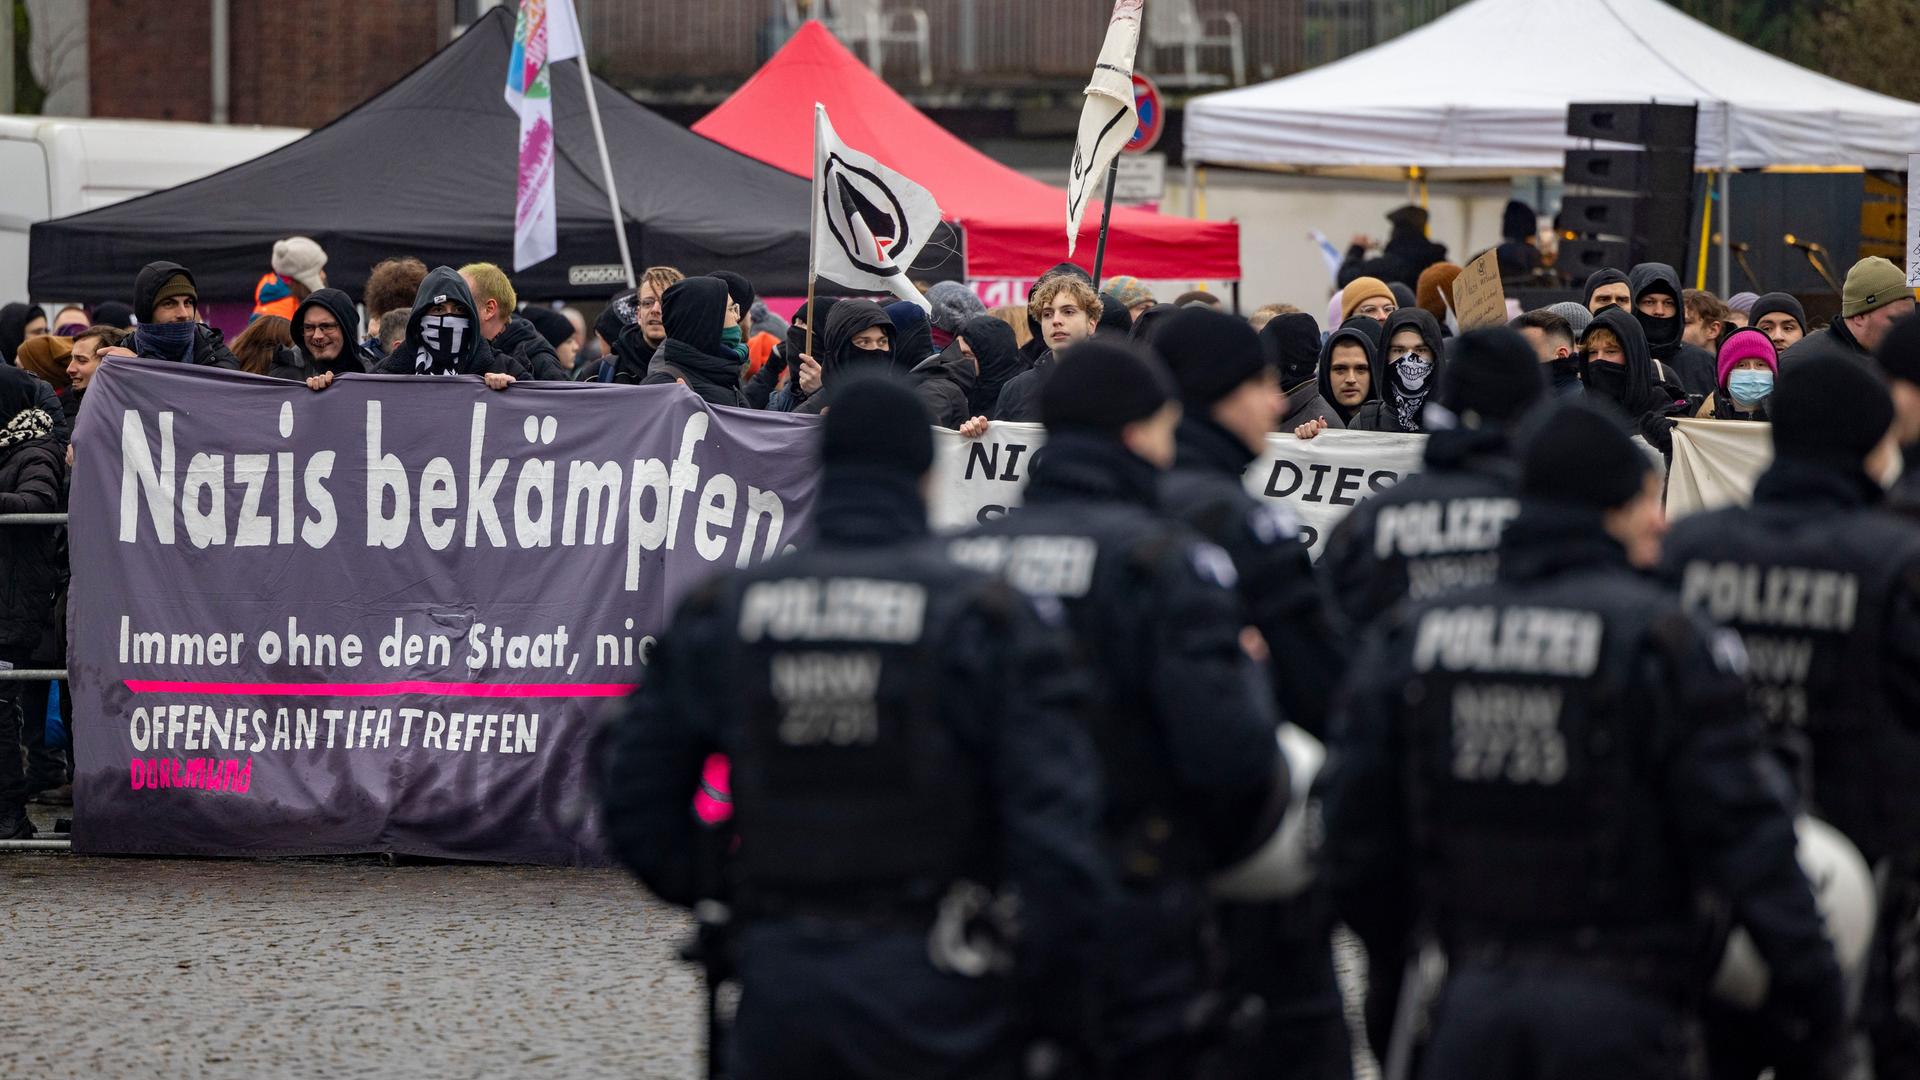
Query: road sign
x=1142, y=178
x=1153, y=117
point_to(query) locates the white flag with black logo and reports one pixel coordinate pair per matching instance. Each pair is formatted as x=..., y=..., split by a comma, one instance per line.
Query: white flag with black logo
x=869, y=222
x=1108, y=118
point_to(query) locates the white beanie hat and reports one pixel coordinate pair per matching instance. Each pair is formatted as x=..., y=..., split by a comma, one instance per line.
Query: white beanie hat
x=300, y=259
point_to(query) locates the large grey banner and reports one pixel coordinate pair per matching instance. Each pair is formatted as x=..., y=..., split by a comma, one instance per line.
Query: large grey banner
x=385, y=616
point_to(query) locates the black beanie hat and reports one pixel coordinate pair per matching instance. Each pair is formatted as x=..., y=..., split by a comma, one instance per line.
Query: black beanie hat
x=739, y=289
x=1114, y=316
x=876, y=422
x=1899, y=351
x=1292, y=344
x=1402, y=295
x=1829, y=408
x=1209, y=353
x=1491, y=373
x=114, y=313
x=1579, y=452
x=552, y=325
x=1102, y=386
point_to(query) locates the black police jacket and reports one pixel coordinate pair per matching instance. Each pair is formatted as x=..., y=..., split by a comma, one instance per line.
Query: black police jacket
x=1184, y=728
x=1824, y=587
x=1557, y=763
x=1433, y=532
x=894, y=722
x=1282, y=596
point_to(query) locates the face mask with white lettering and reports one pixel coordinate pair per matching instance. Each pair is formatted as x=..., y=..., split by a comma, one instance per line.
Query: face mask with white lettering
x=443, y=339
x=1749, y=388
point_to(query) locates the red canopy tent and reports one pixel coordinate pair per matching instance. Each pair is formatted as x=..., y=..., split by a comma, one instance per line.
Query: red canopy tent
x=1015, y=226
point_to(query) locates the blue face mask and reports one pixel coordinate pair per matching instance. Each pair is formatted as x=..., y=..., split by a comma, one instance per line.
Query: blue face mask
x=1749, y=388
x=166, y=341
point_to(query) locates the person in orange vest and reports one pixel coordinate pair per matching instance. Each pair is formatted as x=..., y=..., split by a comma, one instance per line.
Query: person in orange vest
x=299, y=268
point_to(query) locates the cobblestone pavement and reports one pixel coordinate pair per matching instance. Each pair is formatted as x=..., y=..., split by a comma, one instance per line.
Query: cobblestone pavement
x=338, y=968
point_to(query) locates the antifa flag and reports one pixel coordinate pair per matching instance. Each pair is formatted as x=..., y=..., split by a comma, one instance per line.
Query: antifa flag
x=869, y=222
x=1108, y=118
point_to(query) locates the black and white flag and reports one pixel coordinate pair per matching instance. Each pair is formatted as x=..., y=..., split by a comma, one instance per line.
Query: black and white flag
x=1108, y=118
x=869, y=222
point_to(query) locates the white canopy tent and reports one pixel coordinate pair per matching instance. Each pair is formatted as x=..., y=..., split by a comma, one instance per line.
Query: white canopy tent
x=1484, y=91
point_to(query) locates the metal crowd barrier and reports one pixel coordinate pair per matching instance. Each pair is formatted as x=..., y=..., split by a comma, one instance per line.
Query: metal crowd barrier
x=45, y=841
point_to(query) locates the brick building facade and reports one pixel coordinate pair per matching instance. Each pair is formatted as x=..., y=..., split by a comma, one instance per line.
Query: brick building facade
x=300, y=65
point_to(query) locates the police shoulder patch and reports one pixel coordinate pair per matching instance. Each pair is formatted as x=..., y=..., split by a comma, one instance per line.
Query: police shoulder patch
x=1213, y=565
x=1274, y=523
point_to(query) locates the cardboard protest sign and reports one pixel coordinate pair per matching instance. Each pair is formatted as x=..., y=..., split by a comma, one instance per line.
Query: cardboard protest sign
x=1478, y=298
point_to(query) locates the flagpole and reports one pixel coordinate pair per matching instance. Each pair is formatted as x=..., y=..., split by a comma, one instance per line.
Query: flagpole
x=1106, y=215
x=606, y=163
x=813, y=237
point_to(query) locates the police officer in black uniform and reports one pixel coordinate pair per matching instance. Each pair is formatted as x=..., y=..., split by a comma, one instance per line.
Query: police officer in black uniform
x=1823, y=585
x=910, y=781
x=1439, y=529
x=1540, y=776
x=1285, y=998
x=1183, y=722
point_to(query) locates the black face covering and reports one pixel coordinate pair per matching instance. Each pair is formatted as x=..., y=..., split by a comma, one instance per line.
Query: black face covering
x=859, y=359
x=1609, y=380
x=443, y=340
x=1562, y=368
x=1661, y=330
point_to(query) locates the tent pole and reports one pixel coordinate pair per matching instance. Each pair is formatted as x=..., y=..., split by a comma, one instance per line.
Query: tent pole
x=1193, y=192
x=1106, y=215
x=1726, y=186
x=606, y=163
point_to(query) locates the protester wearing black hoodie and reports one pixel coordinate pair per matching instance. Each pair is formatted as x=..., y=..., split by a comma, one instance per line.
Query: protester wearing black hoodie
x=694, y=311
x=1694, y=365
x=1404, y=374
x=915, y=341
x=198, y=343
x=14, y=320
x=840, y=358
x=1634, y=385
x=1291, y=344
x=944, y=384
x=345, y=355
x=1351, y=333
x=443, y=335
x=1519, y=226
x=524, y=342
x=996, y=354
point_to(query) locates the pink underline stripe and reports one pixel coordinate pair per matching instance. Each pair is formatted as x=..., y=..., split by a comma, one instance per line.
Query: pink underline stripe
x=384, y=689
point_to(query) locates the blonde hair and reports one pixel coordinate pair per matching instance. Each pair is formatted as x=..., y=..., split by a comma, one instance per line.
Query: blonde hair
x=660, y=277
x=1074, y=286
x=490, y=283
x=1014, y=315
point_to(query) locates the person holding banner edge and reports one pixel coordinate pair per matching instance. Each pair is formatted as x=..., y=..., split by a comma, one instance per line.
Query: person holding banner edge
x=909, y=775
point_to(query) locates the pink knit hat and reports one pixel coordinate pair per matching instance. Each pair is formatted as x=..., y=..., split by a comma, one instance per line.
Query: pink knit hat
x=1746, y=343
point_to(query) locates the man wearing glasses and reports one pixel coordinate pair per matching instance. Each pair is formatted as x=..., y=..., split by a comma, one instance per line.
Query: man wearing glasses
x=326, y=334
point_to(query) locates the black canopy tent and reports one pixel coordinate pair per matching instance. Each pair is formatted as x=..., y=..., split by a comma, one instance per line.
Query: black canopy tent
x=427, y=168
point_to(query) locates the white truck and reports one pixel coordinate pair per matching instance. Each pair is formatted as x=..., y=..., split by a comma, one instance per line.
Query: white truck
x=51, y=167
